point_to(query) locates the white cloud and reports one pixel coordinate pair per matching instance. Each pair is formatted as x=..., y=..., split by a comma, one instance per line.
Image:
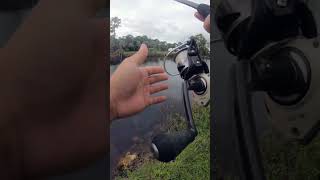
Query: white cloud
x=162, y=19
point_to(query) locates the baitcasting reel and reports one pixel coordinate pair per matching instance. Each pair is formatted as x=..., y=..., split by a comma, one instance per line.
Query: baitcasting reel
x=277, y=47
x=195, y=73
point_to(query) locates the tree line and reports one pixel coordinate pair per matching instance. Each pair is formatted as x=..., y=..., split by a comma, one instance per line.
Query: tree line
x=130, y=43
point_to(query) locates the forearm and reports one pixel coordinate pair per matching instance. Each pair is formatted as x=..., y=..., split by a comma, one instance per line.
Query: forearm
x=70, y=141
x=50, y=55
x=57, y=136
x=56, y=151
x=10, y=144
x=44, y=70
x=10, y=153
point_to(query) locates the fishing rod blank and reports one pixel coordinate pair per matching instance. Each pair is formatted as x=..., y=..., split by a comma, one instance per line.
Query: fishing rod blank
x=202, y=9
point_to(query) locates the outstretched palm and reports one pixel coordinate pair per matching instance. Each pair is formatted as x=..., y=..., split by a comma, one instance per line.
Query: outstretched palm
x=132, y=86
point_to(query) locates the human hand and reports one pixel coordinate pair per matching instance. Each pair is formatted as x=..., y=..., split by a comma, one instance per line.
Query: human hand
x=131, y=86
x=206, y=21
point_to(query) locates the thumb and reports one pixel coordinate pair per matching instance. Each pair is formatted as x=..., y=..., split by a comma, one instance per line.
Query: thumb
x=140, y=56
x=206, y=24
x=199, y=16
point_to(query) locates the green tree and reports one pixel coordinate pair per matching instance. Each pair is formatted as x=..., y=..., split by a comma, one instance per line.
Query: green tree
x=202, y=44
x=115, y=23
x=131, y=43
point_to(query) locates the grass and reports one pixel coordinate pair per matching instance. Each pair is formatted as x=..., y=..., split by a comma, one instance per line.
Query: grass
x=290, y=160
x=286, y=160
x=193, y=163
x=283, y=160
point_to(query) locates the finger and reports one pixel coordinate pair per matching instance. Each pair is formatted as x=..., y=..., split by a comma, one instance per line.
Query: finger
x=157, y=78
x=140, y=56
x=157, y=100
x=157, y=88
x=206, y=24
x=199, y=16
x=154, y=70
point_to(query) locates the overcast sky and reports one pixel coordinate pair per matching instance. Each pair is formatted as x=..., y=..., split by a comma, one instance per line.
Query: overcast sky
x=165, y=20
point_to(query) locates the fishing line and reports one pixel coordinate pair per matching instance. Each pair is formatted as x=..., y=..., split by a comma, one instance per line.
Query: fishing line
x=166, y=56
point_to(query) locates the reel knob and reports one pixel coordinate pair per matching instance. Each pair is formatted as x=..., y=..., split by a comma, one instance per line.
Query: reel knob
x=167, y=146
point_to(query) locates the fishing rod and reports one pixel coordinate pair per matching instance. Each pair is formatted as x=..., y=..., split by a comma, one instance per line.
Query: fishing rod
x=202, y=9
x=277, y=48
x=195, y=73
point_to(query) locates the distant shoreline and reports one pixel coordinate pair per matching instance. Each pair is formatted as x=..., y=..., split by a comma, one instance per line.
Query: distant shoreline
x=117, y=57
x=150, y=54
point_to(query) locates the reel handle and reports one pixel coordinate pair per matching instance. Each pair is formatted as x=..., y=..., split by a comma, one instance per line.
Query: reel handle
x=167, y=146
x=204, y=10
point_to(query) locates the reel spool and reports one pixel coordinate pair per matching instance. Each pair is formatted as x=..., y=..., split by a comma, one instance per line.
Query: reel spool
x=292, y=107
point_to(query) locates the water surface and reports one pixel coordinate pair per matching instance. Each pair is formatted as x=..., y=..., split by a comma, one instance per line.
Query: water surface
x=123, y=131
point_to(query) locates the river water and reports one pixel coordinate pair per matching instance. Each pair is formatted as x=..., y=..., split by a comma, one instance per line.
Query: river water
x=124, y=131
